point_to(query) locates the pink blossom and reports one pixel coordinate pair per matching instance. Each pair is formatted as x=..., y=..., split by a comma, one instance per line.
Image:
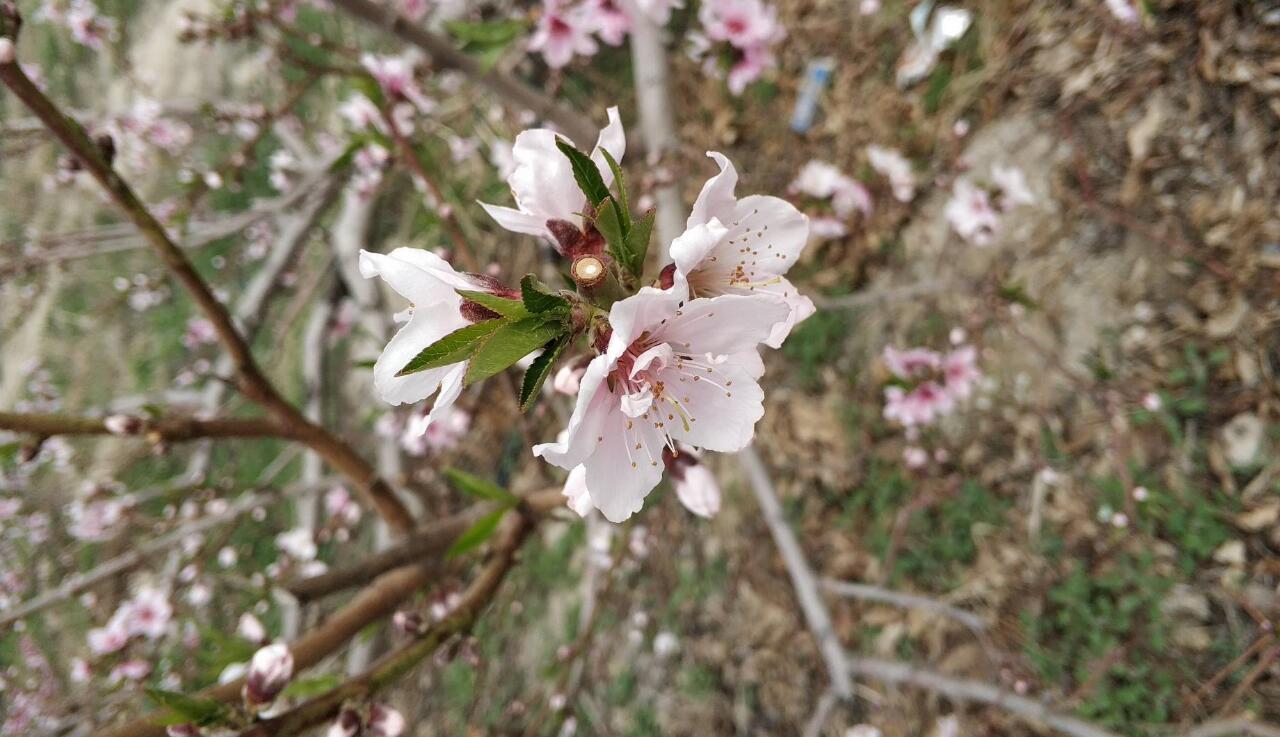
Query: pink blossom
x=298, y=544
x=971, y=213
x=744, y=24
x=79, y=671
x=340, y=506
x=435, y=432
x=132, y=670
x=915, y=457
x=543, y=184
x=7, y=52
x=960, y=371
x=414, y=10
x=920, y=406
x=1151, y=402
x=697, y=489
x=122, y=424
x=892, y=165
x=609, y=21
x=749, y=66
x=869, y=7
x=742, y=246
x=1013, y=186
x=9, y=506
x=911, y=363
x=395, y=75
x=199, y=332
x=95, y=520
x=561, y=34
x=269, y=672
x=575, y=491
x=148, y=613
x=567, y=379
x=346, y=725
x=385, y=721
x=251, y=628
x=827, y=228
x=109, y=639
x=1124, y=10
x=664, y=378
x=361, y=114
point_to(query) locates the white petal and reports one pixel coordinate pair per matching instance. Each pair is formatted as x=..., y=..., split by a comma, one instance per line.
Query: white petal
x=722, y=406
x=698, y=491
x=543, y=182
x=799, y=307
x=413, y=272
x=575, y=491
x=595, y=403
x=774, y=229
x=716, y=200
x=620, y=475
x=726, y=324
x=516, y=221
x=641, y=311
x=421, y=331
x=695, y=245
x=612, y=139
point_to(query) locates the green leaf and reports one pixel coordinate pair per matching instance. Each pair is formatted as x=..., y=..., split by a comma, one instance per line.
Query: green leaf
x=621, y=186
x=305, y=688
x=472, y=485
x=638, y=242
x=183, y=709
x=452, y=348
x=475, y=536
x=538, y=372
x=585, y=172
x=538, y=297
x=510, y=343
x=504, y=306
x=491, y=33
x=609, y=223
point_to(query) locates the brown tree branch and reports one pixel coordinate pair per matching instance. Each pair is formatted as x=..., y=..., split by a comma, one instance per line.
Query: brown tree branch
x=249, y=377
x=404, y=659
x=426, y=542
x=505, y=88
x=167, y=429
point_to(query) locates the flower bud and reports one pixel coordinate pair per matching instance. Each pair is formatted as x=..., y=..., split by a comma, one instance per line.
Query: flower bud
x=410, y=623
x=182, y=730
x=346, y=725
x=269, y=672
x=7, y=51
x=667, y=277
x=385, y=721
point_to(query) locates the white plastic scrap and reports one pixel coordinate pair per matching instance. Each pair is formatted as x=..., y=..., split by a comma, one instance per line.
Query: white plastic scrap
x=948, y=25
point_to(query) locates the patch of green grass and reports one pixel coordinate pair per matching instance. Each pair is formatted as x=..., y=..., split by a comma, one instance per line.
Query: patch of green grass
x=940, y=540
x=817, y=342
x=1090, y=617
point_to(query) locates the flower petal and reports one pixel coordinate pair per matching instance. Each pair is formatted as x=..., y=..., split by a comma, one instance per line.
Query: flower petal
x=595, y=403
x=421, y=331
x=716, y=200
x=612, y=139
x=721, y=406
x=641, y=311
x=516, y=221
x=418, y=275
x=697, y=244
x=726, y=324
x=624, y=467
x=774, y=229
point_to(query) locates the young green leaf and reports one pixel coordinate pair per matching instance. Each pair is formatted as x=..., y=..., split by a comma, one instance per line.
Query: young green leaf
x=504, y=306
x=619, y=184
x=305, y=688
x=183, y=709
x=475, y=536
x=585, y=172
x=452, y=348
x=538, y=372
x=609, y=223
x=472, y=485
x=510, y=343
x=485, y=33
x=538, y=297
x=638, y=242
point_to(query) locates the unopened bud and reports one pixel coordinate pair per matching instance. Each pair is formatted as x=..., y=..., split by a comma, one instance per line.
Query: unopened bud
x=410, y=623
x=587, y=271
x=7, y=51
x=667, y=277
x=182, y=730
x=346, y=725
x=385, y=721
x=269, y=672
x=122, y=424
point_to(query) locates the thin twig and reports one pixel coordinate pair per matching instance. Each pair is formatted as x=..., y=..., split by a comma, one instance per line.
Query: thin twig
x=802, y=578
x=166, y=429
x=867, y=592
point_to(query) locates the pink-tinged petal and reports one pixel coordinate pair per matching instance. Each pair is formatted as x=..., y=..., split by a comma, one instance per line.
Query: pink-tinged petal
x=773, y=228
x=698, y=491
x=720, y=405
x=696, y=245
x=422, y=330
x=543, y=182
x=750, y=362
x=716, y=200
x=575, y=491
x=722, y=325
x=516, y=221
x=612, y=139
x=450, y=389
x=800, y=306
x=595, y=403
x=639, y=312
x=625, y=466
